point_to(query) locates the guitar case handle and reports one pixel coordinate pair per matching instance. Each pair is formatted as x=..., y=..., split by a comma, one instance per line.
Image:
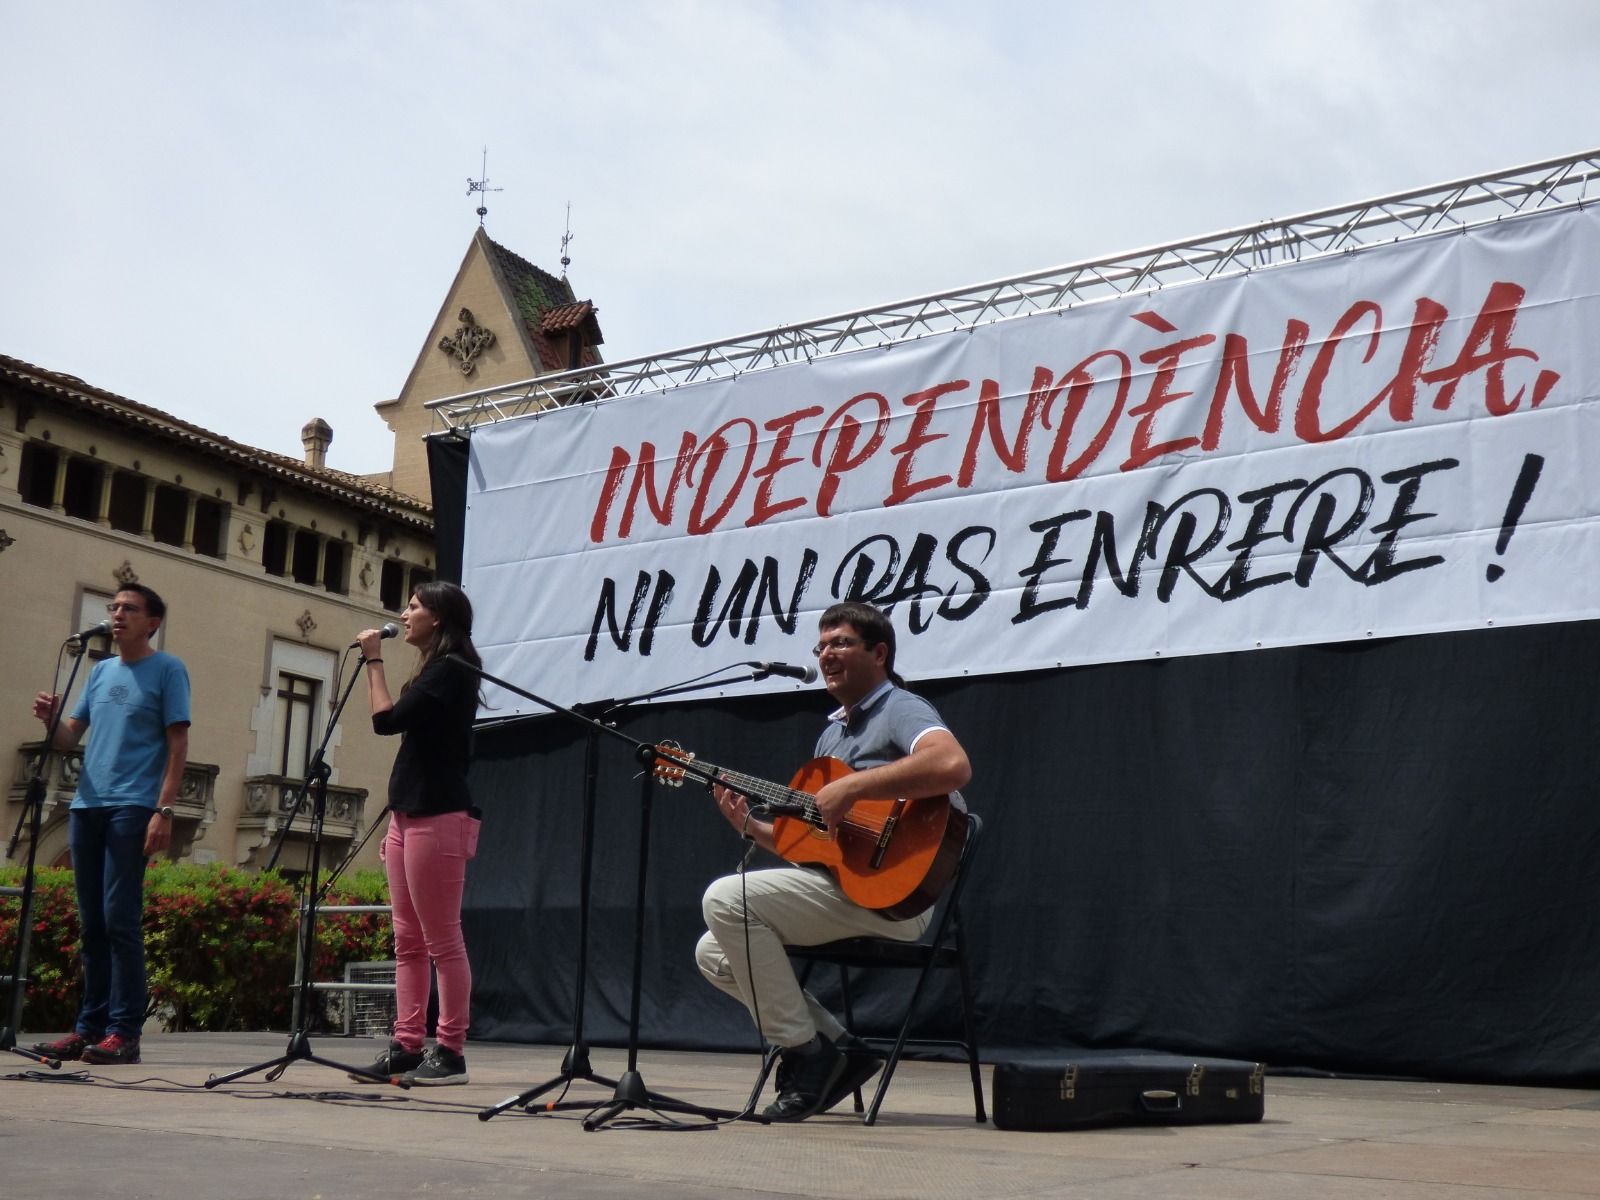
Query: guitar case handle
x=1160, y=1100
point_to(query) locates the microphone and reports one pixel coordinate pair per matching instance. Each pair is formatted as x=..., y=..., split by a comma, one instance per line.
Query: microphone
x=98, y=629
x=806, y=674
x=389, y=630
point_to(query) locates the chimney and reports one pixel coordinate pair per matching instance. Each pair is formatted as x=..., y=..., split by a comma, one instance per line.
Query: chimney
x=316, y=436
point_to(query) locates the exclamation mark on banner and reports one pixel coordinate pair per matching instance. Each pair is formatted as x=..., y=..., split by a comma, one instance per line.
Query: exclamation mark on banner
x=1527, y=480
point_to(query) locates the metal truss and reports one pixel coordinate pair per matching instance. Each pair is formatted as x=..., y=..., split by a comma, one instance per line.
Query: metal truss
x=1444, y=208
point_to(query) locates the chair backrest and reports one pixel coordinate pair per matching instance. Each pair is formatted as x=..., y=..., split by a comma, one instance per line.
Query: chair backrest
x=947, y=914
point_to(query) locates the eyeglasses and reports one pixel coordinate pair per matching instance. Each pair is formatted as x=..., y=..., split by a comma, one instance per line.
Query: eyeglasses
x=122, y=607
x=838, y=643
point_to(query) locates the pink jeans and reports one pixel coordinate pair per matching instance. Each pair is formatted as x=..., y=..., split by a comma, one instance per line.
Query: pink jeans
x=426, y=859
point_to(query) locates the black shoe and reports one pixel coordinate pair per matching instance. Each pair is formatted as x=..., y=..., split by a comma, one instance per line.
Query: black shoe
x=439, y=1066
x=806, y=1075
x=861, y=1063
x=391, y=1064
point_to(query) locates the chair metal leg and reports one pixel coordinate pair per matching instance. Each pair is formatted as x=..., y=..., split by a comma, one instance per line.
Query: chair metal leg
x=893, y=1060
x=969, y=1026
x=849, y=1023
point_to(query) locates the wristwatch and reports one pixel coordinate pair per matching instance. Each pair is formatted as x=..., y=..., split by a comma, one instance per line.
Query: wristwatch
x=165, y=811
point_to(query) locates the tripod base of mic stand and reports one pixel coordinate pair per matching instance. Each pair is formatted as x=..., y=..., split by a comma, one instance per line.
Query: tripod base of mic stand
x=574, y=1067
x=299, y=1050
x=632, y=1094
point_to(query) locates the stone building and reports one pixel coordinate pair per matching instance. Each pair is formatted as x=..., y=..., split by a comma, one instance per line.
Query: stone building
x=269, y=566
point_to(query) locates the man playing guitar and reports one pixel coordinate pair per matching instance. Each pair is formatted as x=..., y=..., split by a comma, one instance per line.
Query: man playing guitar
x=898, y=746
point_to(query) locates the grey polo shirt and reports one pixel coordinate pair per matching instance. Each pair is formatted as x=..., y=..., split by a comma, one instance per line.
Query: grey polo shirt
x=882, y=728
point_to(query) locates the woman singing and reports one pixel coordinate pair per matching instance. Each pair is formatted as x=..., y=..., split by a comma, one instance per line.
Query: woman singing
x=433, y=830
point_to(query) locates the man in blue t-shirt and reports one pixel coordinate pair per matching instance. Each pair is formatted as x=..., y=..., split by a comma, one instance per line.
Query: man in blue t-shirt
x=135, y=709
x=897, y=745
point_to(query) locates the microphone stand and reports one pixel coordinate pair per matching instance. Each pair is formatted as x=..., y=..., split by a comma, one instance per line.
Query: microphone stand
x=33, y=813
x=575, y=1063
x=299, y=1047
x=630, y=1091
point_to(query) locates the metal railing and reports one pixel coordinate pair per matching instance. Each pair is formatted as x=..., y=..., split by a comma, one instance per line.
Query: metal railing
x=340, y=985
x=346, y=986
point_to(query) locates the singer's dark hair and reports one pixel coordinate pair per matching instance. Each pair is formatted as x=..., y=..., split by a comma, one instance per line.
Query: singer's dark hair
x=453, y=612
x=154, y=605
x=871, y=623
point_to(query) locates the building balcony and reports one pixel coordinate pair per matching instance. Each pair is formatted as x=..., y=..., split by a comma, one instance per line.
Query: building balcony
x=193, y=812
x=272, y=802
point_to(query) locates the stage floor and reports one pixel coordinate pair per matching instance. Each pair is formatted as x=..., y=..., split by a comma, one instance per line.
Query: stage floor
x=152, y=1130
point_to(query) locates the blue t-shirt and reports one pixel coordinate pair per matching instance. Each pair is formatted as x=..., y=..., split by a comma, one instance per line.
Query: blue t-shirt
x=128, y=708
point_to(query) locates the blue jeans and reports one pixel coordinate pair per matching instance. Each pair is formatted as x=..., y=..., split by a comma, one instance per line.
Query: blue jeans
x=108, y=869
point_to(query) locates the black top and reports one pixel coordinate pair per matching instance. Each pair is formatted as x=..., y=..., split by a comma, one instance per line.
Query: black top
x=435, y=714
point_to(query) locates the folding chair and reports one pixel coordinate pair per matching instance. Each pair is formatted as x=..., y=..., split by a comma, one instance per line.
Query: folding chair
x=942, y=947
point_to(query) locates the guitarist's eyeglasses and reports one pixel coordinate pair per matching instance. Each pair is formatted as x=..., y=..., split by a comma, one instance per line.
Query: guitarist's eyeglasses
x=838, y=643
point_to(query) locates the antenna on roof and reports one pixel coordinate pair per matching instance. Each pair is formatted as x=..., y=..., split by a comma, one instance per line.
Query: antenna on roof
x=566, y=239
x=482, y=185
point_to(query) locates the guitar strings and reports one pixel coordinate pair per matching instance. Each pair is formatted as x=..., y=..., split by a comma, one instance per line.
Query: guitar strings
x=754, y=785
x=805, y=801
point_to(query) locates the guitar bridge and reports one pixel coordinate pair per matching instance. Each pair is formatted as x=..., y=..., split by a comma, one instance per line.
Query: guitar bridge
x=881, y=847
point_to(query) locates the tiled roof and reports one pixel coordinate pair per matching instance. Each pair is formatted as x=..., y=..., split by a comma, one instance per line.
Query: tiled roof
x=568, y=316
x=535, y=290
x=548, y=307
x=340, y=485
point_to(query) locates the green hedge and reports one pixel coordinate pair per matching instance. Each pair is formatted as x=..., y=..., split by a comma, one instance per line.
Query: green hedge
x=219, y=944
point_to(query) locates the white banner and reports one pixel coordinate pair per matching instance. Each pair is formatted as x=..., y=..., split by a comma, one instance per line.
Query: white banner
x=1391, y=442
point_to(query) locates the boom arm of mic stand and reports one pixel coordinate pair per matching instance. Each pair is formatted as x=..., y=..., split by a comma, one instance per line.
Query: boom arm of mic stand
x=643, y=750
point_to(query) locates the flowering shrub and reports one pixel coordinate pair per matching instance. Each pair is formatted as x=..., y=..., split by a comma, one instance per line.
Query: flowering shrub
x=52, y=1001
x=219, y=944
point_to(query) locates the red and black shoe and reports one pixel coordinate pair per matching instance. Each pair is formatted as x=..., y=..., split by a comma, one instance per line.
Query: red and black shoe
x=112, y=1050
x=67, y=1049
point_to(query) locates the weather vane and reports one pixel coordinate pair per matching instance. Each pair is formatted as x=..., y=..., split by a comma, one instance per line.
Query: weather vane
x=566, y=239
x=482, y=185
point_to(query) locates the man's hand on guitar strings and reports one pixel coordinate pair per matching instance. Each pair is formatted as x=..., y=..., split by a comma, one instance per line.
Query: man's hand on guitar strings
x=834, y=802
x=735, y=807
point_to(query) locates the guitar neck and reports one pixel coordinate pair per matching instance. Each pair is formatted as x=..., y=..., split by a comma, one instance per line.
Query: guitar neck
x=776, y=796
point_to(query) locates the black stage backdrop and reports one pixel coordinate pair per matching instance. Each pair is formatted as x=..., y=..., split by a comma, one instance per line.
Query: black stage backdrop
x=1369, y=857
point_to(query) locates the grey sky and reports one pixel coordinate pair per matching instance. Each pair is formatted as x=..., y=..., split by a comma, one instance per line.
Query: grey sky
x=248, y=214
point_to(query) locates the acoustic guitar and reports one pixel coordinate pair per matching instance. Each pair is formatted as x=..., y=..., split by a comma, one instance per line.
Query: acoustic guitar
x=892, y=856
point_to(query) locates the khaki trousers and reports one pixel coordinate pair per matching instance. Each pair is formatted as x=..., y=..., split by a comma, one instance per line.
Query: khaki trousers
x=794, y=906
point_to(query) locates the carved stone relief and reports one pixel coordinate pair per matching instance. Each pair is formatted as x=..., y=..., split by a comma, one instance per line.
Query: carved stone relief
x=470, y=340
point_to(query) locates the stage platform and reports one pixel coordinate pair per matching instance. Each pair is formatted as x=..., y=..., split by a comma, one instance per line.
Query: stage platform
x=152, y=1130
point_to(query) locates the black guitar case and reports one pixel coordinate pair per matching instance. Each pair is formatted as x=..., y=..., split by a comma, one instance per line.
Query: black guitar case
x=1112, y=1087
